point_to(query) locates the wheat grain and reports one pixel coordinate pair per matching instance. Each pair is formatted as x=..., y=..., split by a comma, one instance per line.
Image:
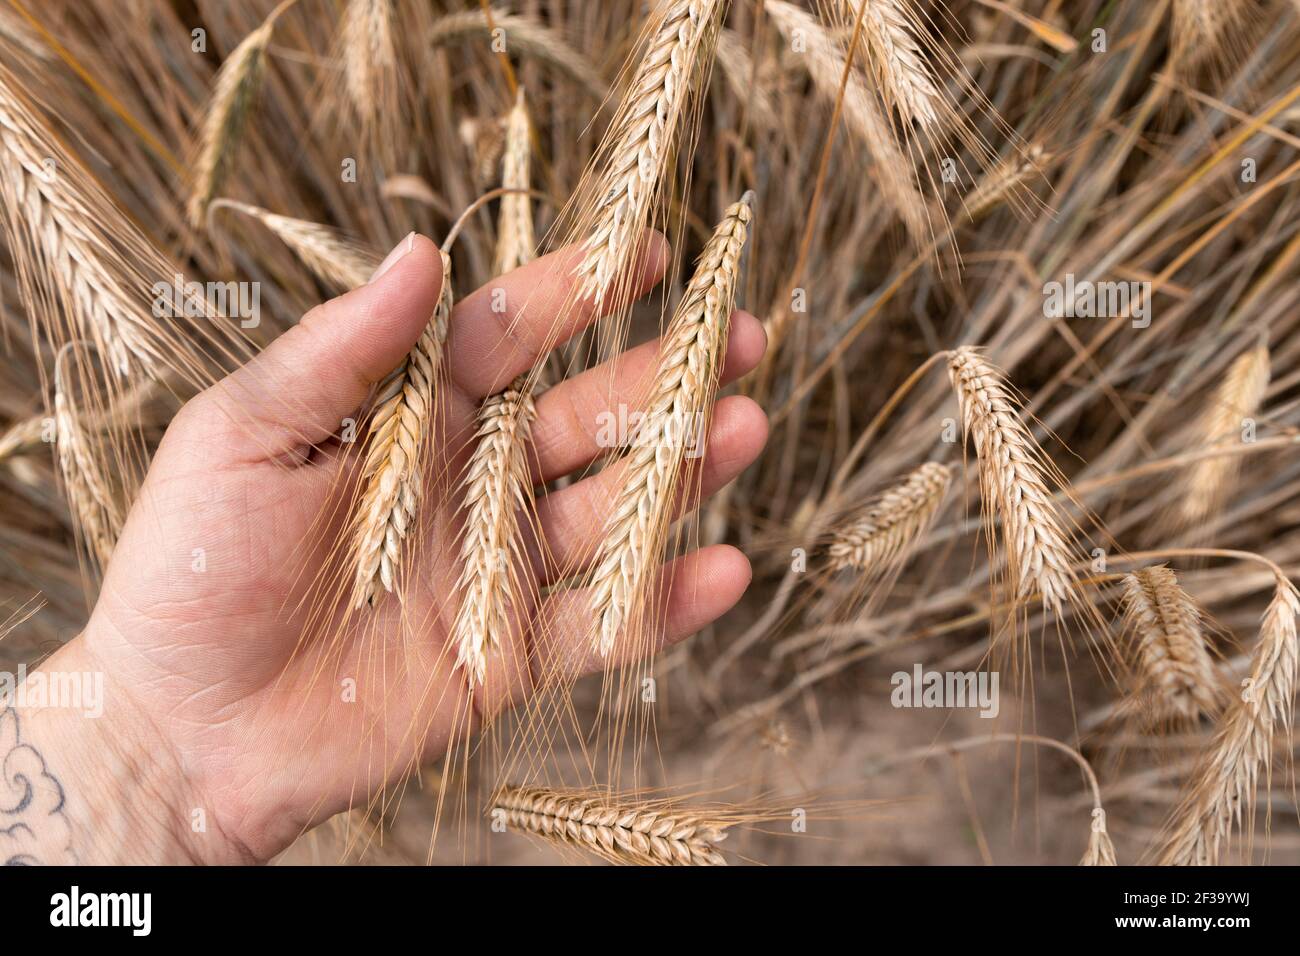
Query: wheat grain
x=1171, y=651
x=224, y=118
x=826, y=66
x=878, y=538
x=331, y=258
x=629, y=834
x=1222, y=796
x=1239, y=397
x=692, y=352
x=90, y=496
x=1012, y=482
x=643, y=138
x=524, y=35
x=397, y=440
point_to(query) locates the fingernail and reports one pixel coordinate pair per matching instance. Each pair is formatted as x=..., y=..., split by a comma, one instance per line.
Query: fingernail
x=394, y=257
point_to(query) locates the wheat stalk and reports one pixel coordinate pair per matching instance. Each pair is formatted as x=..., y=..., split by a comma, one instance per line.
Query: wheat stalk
x=631, y=834
x=331, y=258
x=90, y=495
x=397, y=439
x=900, y=66
x=1239, y=396
x=826, y=66
x=691, y=356
x=878, y=538
x=225, y=116
x=47, y=217
x=524, y=35
x=1170, y=644
x=643, y=138
x=1223, y=793
x=515, y=240
x=1012, y=482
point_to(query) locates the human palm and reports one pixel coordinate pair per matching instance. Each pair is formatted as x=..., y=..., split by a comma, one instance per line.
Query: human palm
x=279, y=703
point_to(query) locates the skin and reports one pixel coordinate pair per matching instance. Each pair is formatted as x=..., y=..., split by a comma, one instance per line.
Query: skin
x=225, y=731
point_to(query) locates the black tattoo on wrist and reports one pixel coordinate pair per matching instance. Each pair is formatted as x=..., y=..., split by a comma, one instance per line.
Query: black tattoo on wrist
x=33, y=822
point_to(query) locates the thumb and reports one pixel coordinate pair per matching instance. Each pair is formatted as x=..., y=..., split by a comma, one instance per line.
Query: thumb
x=298, y=391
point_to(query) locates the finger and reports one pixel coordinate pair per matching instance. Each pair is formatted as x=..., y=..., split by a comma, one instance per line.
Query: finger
x=500, y=331
x=691, y=592
x=572, y=519
x=298, y=391
x=568, y=433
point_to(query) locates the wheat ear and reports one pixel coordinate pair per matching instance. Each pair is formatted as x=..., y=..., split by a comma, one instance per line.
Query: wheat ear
x=515, y=240
x=369, y=56
x=1003, y=181
x=524, y=35
x=692, y=352
x=90, y=496
x=1239, y=397
x=1012, y=482
x=1169, y=644
x=738, y=70
x=1223, y=793
x=233, y=93
x=1204, y=29
x=47, y=217
x=1100, y=852
x=826, y=66
x=643, y=138
x=902, y=71
x=496, y=484
x=877, y=539
x=397, y=439
x=630, y=834
x=331, y=258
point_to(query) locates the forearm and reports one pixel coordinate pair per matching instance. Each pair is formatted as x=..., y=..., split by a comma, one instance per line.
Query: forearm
x=86, y=780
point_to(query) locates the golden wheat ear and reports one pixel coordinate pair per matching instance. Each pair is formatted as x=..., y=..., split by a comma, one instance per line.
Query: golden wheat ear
x=1101, y=851
x=692, y=351
x=878, y=538
x=516, y=243
x=233, y=94
x=94, y=504
x=369, y=48
x=1178, y=679
x=1221, y=798
x=1012, y=473
x=397, y=442
x=330, y=257
x=626, y=833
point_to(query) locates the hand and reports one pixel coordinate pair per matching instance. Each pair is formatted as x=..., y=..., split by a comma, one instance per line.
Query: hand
x=221, y=705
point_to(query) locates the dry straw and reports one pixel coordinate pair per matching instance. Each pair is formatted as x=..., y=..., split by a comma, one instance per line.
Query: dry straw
x=1238, y=398
x=632, y=834
x=1222, y=796
x=1168, y=638
x=1012, y=471
x=642, y=141
x=675, y=412
x=398, y=440
x=330, y=257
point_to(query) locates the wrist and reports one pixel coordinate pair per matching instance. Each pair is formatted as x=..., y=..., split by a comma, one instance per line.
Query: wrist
x=111, y=788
